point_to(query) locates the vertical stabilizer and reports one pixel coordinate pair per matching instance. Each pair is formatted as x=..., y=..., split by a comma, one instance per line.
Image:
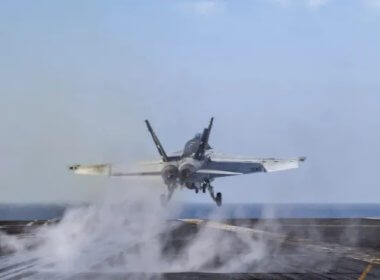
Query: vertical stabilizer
x=160, y=149
x=204, y=141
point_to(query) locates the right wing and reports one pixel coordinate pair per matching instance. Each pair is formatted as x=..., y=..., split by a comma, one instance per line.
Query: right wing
x=142, y=169
x=221, y=166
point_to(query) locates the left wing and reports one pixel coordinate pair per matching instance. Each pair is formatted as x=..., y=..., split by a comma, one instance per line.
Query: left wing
x=142, y=169
x=220, y=166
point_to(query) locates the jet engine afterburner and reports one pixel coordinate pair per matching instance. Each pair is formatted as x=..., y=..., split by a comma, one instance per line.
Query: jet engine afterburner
x=170, y=174
x=188, y=168
x=186, y=171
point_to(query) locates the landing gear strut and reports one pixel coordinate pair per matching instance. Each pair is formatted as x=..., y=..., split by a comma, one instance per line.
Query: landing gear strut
x=217, y=198
x=205, y=185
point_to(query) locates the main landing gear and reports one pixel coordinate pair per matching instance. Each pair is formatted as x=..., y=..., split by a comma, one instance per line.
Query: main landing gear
x=218, y=198
x=204, y=186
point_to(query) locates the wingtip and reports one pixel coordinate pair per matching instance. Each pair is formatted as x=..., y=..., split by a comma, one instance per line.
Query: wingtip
x=73, y=167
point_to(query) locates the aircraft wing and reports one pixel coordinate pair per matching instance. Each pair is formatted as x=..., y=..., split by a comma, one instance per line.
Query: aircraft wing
x=141, y=169
x=220, y=166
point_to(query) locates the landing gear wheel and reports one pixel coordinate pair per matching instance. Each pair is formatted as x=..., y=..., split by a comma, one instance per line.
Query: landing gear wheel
x=218, y=199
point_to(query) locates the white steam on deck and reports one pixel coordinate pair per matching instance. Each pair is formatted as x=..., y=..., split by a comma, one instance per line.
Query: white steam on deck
x=127, y=233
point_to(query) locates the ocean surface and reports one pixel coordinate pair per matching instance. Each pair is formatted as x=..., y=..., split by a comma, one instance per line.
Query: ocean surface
x=197, y=210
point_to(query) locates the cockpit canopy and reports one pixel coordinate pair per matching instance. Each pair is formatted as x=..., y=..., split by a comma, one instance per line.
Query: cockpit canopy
x=192, y=145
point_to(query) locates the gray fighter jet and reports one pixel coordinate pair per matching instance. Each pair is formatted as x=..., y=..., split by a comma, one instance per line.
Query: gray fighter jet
x=194, y=168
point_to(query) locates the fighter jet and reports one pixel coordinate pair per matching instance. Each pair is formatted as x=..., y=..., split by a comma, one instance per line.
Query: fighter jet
x=194, y=168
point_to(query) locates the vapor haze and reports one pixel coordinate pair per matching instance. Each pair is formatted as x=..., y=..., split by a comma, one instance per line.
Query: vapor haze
x=77, y=81
x=129, y=232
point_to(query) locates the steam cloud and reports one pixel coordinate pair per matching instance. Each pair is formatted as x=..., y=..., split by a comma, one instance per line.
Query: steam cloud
x=128, y=232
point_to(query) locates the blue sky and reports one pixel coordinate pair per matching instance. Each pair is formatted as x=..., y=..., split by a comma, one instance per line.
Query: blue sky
x=282, y=77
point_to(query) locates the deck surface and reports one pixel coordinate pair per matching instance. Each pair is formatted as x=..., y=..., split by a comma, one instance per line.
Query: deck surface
x=295, y=249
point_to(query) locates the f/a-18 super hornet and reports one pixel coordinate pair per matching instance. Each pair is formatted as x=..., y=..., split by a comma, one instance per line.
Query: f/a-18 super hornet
x=194, y=168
